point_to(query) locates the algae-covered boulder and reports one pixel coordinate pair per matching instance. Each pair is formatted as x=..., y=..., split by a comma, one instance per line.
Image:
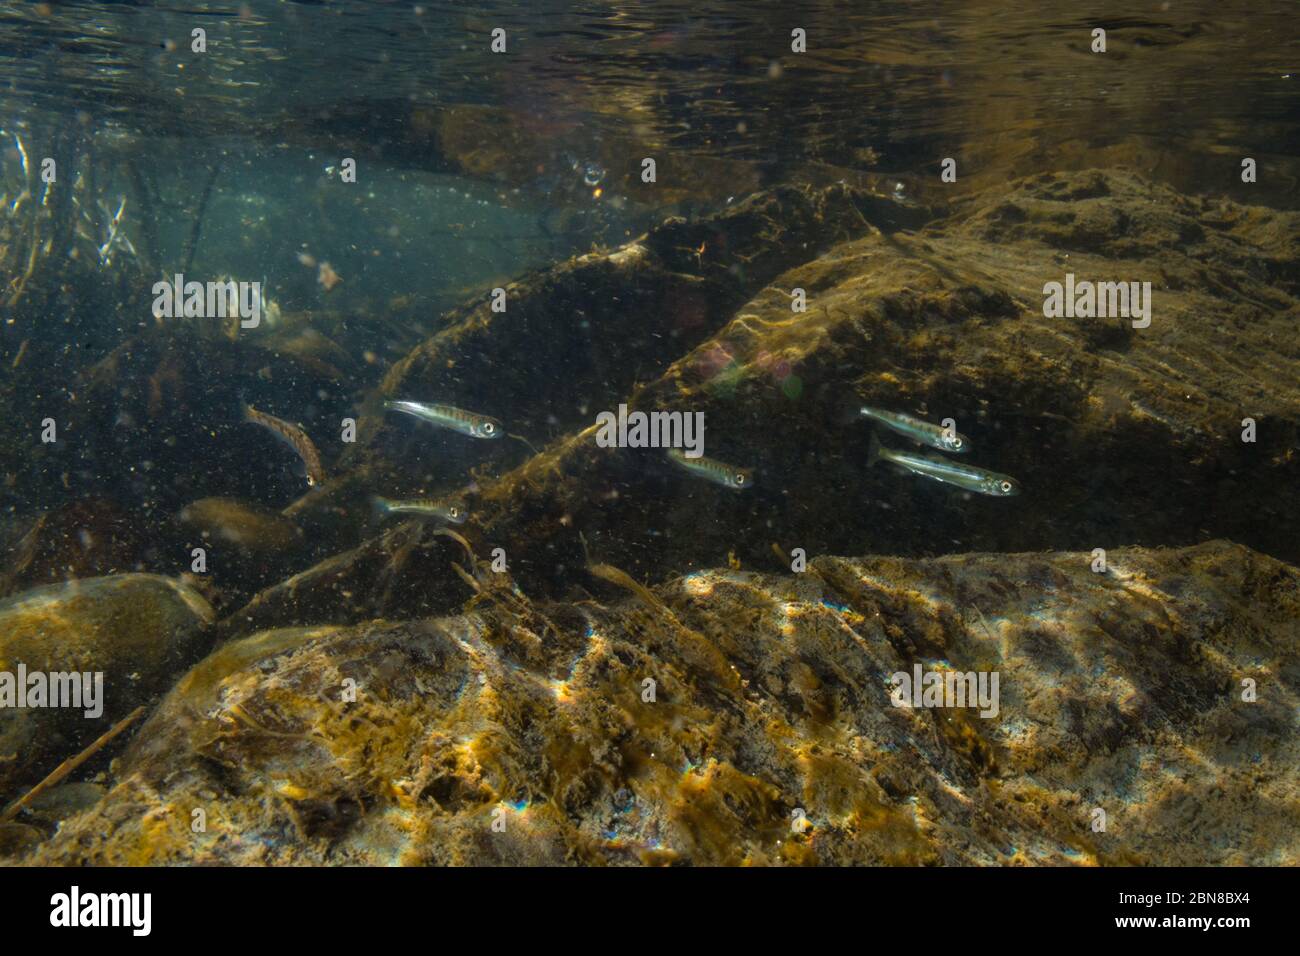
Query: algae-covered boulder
x=137, y=630
x=736, y=717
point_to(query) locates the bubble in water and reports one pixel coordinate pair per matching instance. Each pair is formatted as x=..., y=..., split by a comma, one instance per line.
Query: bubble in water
x=592, y=174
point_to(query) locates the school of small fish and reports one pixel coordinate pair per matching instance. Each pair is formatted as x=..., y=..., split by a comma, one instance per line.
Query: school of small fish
x=943, y=437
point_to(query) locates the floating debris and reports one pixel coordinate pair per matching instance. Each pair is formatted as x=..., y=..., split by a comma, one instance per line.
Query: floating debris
x=327, y=277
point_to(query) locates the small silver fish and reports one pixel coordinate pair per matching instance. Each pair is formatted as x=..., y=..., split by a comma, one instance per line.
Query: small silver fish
x=715, y=471
x=936, y=436
x=458, y=420
x=452, y=511
x=949, y=472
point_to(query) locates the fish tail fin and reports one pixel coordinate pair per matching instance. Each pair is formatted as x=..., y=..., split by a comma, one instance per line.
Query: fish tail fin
x=873, y=452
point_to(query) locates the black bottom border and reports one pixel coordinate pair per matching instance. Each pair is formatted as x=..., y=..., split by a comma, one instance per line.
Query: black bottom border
x=333, y=906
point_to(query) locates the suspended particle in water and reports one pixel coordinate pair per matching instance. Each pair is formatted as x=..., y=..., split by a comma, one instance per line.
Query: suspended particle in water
x=327, y=277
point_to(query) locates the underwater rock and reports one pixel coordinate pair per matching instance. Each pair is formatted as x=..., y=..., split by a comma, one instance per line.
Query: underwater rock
x=1098, y=421
x=635, y=309
x=640, y=307
x=137, y=630
x=17, y=839
x=732, y=717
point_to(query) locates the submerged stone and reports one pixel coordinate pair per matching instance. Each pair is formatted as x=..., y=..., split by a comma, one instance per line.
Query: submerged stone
x=127, y=633
x=768, y=732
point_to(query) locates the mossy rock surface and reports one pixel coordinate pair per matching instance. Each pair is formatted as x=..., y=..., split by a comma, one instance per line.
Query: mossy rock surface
x=404, y=742
x=138, y=630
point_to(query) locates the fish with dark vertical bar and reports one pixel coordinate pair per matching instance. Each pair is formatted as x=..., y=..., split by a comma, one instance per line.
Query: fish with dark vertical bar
x=294, y=437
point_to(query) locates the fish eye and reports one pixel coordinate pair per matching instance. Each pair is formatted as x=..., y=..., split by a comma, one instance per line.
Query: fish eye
x=454, y=512
x=740, y=478
x=1006, y=487
x=488, y=428
x=955, y=442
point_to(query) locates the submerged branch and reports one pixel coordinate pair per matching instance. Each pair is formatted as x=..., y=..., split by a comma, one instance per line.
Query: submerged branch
x=196, y=230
